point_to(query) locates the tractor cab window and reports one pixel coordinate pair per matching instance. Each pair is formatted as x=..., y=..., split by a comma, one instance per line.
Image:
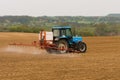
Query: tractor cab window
x=63, y=32
x=68, y=32
x=56, y=33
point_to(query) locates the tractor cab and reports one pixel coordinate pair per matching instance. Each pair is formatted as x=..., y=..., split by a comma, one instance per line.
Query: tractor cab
x=61, y=33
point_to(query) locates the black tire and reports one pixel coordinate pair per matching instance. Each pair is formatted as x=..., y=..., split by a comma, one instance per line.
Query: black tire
x=51, y=51
x=63, y=44
x=82, y=47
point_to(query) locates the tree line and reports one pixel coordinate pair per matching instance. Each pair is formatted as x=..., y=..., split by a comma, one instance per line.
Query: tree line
x=84, y=26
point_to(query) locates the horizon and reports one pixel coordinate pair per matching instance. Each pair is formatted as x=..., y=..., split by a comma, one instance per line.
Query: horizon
x=62, y=15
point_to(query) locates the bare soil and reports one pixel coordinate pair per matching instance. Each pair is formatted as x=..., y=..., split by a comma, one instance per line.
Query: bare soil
x=100, y=62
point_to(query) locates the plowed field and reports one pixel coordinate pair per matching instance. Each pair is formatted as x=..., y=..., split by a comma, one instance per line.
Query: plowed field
x=100, y=62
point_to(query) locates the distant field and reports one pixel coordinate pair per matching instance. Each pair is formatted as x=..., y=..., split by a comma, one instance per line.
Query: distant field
x=100, y=62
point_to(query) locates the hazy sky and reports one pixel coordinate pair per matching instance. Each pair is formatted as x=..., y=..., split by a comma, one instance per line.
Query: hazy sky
x=59, y=7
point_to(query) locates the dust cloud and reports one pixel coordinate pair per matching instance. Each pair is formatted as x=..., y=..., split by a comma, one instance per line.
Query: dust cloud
x=23, y=49
x=34, y=50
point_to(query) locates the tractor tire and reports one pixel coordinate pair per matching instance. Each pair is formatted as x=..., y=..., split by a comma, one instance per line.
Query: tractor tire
x=63, y=46
x=82, y=47
x=51, y=51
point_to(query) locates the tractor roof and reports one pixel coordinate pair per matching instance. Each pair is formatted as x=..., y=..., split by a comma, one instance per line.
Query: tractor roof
x=61, y=27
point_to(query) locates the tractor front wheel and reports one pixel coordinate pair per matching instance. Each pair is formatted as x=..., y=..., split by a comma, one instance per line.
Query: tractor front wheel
x=82, y=47
x=62, y=46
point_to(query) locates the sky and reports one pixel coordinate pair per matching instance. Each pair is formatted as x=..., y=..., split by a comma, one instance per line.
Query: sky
x=59, y=7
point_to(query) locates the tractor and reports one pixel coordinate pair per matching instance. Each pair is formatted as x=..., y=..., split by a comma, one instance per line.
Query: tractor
x=59, y=40
x=62, y=40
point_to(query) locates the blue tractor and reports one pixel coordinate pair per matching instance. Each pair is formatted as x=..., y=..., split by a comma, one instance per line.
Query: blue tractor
x=66, y=42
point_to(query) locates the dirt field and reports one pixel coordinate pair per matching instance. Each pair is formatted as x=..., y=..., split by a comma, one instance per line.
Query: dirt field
x=101, y=61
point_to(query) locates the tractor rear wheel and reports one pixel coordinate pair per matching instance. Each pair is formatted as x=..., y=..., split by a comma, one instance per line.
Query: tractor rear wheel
x=49, y=50
x=82, y=47
x=62, y=46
